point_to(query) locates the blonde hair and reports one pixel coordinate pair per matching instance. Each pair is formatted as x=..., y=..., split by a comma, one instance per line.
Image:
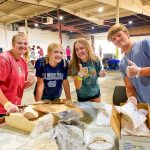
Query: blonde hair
x=14, y=40
x=51, y=47
x=75, y=60
x=116, y=28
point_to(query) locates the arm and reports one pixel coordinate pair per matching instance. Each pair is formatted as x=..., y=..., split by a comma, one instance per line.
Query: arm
x=67, y=89
x=145, y=72
x=130, y=90
x=39, y=89
x=77, y=82
x=9, y=107
x=3, y=99
x=83, y=71
x=134, y=71
x=30, y=80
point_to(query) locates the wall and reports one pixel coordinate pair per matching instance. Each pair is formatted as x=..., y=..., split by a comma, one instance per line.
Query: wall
x=35, y=36
x=43, y=38
x=108, y=47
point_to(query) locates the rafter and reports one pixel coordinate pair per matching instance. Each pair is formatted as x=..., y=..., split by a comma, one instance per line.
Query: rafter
x=131, y=5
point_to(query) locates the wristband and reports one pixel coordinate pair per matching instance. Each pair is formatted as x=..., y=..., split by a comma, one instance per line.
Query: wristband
x=79, y=78
x=138, y=73
x=7, y=104
x=80, y=75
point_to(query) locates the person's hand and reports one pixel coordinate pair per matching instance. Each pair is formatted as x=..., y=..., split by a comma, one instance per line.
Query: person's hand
x=31, y=78
x=132, y=70
x=133, y=100
x=11, y=108
x=102, y=73
x=83, y=71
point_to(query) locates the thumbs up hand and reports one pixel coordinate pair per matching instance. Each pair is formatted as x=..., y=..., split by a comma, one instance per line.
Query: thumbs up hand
x=83, y=71
x=132, y=70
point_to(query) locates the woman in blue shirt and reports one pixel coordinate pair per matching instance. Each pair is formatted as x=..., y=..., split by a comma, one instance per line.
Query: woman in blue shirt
x=52, y=72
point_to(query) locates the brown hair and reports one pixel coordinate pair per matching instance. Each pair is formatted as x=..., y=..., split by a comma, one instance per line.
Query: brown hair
x=116, y=28
x=75, y=61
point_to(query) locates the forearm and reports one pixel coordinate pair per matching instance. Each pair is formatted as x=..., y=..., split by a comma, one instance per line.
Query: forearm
x=145, y=71
x=39, y=93
x=130, y=90
x=67, y=89
x=3, y=98
x=77, y=82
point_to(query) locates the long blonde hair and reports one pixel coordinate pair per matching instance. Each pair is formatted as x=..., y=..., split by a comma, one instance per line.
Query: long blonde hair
x=75, y=61
x=14, y=39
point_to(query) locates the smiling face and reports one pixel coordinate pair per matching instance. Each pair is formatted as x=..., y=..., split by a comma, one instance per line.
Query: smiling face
x=20, y=44
x=81, y=51
x=120, y=39
x=55, y=53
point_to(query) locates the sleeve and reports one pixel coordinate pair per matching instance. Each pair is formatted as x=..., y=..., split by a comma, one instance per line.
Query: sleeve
x=39, y=68
x=146, y=47
x=98, y=67
x=122, y=69
x=4, y=68
x=65, y=70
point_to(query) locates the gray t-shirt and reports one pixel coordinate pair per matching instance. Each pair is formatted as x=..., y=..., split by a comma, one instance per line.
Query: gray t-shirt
x=140, y=55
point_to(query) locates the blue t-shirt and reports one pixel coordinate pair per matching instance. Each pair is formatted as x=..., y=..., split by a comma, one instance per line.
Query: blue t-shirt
x=140, y=55
x=90, y=85
x=52, y=77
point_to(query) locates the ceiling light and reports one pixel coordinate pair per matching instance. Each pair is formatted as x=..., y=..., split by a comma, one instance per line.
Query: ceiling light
x=36, y=25
x=130, y=22
x=100, y=9
x=92, y=28
x=61, y=17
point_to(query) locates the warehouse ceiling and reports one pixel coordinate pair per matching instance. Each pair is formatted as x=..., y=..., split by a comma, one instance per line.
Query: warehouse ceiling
x=78, y=16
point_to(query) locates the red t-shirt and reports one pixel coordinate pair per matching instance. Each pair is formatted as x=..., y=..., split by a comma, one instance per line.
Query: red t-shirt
x=68, y=53
x=13, y=74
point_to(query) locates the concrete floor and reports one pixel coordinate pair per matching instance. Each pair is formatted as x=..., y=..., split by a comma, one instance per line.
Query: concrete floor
x=107, y=84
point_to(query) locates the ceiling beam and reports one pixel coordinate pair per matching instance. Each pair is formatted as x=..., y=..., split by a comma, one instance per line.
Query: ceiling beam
x=88, y=8
x=36, y=2
x=120, y=15
x=20, y=8
x=105, y=13
x=30, y=16
x=83, y=16
x=132, y=5
x=146, y=3
x=71, y=2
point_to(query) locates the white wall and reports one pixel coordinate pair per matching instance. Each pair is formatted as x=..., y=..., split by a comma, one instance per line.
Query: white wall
x=35, y=36
x=108, y=47
x=43, y=38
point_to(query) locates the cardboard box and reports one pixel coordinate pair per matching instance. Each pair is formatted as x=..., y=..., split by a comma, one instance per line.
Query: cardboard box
x=130, y=142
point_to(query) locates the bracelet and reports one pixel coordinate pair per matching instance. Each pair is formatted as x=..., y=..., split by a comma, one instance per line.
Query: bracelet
x=80, y=75
x=79, y=78
x=7, y=104
x=138, y=73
